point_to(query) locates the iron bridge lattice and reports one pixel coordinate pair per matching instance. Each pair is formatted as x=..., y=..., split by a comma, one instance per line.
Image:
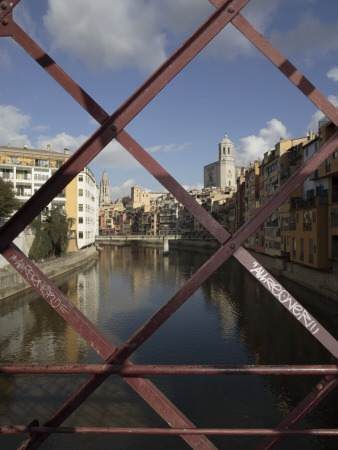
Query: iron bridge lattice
x=116, y=359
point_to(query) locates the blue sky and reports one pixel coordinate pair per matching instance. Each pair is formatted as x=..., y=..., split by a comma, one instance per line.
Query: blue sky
x=111, y=47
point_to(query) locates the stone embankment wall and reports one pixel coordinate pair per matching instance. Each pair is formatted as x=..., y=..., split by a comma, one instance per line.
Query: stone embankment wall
x=11, y=282
x=324, y=282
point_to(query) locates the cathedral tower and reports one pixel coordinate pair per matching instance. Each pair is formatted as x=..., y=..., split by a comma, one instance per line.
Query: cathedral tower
x=222, y=174
x=104, y=189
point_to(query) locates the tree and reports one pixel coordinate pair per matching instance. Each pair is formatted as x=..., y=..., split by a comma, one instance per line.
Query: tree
x=8, y=202
x=51, y=235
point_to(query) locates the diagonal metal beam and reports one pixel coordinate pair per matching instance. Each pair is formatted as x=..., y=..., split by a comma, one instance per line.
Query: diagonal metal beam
x=144, y=158
x=224, y=253
x=48, y=64
x=235, y=245
x=118, y=120
x=319, y=392
x=283, y=64
x=94, y=337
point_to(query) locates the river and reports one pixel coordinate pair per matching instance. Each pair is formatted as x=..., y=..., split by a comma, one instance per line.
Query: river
x=230, y=320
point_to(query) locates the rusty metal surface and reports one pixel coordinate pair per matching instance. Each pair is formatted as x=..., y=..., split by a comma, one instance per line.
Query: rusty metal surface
x=134, y=369
x=318, y=393
x=113, y=127
x=21, y=429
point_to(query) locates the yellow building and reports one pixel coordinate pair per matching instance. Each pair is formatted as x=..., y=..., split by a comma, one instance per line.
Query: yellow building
x=83, y=207
x=330, y=170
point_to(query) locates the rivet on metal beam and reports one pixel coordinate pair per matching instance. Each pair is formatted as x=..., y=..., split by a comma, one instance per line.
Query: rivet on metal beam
x=5, y=21
x=4, y=5
x=232, y=245
x=34, y=423
x=231, y=9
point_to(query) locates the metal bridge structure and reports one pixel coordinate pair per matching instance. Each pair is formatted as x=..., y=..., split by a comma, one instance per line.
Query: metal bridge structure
x=116, y=360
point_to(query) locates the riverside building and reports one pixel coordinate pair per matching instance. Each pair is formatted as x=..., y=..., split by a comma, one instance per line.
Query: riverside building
x=83, y=207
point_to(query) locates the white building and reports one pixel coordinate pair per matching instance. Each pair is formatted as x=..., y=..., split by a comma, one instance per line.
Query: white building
x=28, y=169
x=223, y=173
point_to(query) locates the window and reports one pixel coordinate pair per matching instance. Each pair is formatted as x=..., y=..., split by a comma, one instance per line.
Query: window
x=80, y=207
x=334, y=247
x=80, y=192
x=80, y=177
x=13, y=160
x=328, y=167
x=80, y=234
x=302, y=249
x=41, y=163
x=294, y=247
x=307, y=220
x=334, y=190
x=311, y=247
x=334, y=217
x=335, y=155
x=80, y=219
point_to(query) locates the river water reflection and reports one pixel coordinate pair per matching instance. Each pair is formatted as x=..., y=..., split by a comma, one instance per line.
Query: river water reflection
x=230, y=320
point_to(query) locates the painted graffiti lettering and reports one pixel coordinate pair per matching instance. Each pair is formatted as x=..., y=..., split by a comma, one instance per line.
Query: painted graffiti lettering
x=284, y=297
x=42, y=286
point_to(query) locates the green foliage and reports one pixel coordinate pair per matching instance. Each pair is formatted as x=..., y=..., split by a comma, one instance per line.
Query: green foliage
x=8, y=202
x=51, y=235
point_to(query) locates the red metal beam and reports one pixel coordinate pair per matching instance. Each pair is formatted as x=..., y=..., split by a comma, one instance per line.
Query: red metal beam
x=232, y=243
x=144, y=158
x=320, y=391
x=117, y=121
x=224, y=254
x=59, y=302
x=22, y=429
x=142, y=370
x=286, y=67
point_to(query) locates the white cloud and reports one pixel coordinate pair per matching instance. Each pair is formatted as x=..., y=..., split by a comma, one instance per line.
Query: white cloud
x=123, y=190
x=230, y=42
x=253, y=147
x=61, y=141
x=124, y=33
x=166, y=148
x=114, y=156
x=5, y=60
x=333, y=73
x=108, y=34
x=13, y=124
x=41, y=128
x=318, y=115
x=310, y=37
x=189, y=187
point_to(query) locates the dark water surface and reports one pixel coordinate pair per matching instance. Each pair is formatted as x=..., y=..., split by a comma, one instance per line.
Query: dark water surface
x=230, y=320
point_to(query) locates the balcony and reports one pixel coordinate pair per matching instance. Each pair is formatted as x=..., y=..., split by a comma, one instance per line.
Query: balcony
x=307, y=226
x=272, y=223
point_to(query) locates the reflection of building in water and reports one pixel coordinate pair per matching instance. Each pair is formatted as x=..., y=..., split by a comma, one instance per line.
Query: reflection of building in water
x=143, y=265
x=35, y=333
x=88, y=293
x=215, y=293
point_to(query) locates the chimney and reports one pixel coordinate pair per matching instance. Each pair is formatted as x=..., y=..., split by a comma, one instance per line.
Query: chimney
x=48, y=148
x=66, y=151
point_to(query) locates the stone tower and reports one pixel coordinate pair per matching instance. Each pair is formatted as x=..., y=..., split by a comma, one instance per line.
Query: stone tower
x=104, y=189
x=222, y=173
